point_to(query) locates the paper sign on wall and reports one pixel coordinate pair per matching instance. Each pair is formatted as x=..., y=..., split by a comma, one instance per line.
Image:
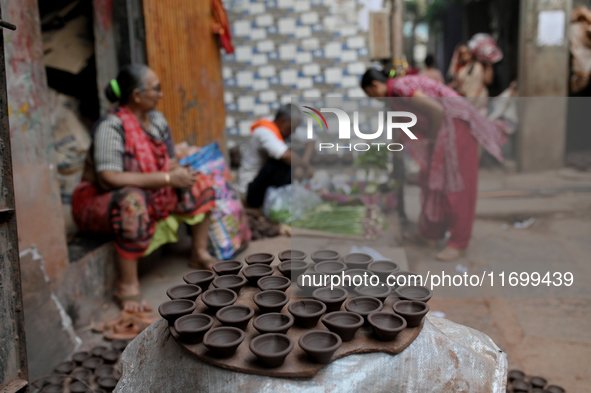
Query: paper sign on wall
x=551, y=26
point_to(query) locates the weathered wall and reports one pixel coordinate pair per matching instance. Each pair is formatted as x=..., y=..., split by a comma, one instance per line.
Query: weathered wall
x=104, y=47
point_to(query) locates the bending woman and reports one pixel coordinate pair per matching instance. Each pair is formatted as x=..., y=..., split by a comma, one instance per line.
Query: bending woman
x=132, y=182
x=449, y=129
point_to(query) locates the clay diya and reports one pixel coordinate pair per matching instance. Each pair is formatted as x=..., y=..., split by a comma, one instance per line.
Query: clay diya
x=343, y=323
x=309, y=282
x=110, y=356
x=403, y=278
x=379, y=292
x=418, y=293
x=325, y=255
x=386, y=326
x=78, y=387
x=223, y=341
x=184, y=291
x=119, y=345
x=330, y=267
x=79, y=357
x=107, y=383
x=174, y=309
x=555, y=389
x=332, y=298
x=192, y=327
x=273, y=323
x=383, y=269
x=515, y=375
x=93, y=363
x=358, y=260
x=53, y=389
x=227, y=267
x=320, y=345
x=261, y=257
x=270, y=301
x=218, y=298
x=230, y=281
x=364, y=305
x=106, y=371
x=412, y=311
x=292, y=255
x=292, y=269
x=357, y=278
x=236, y=316
x=254, y=272
x=55, y=380
x=538, y=382
x=201, y=278
x=521, y=386
x=274, y=283
x=307, y=313
x=271, y=348
x=65, y=367
x=98, y=350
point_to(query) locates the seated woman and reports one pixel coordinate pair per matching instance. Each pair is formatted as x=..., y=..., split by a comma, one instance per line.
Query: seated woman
x=132, y=182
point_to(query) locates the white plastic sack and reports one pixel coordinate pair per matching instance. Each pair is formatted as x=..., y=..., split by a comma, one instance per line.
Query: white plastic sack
x=288, y=203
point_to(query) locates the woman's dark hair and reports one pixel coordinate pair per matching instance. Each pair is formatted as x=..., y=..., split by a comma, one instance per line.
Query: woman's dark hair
x=429, y=60
x=371, y=75
x=130, y=77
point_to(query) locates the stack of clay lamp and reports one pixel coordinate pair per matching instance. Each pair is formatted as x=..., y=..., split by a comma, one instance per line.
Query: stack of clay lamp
x=86, y=371
x=273, y=345
x=518, y=382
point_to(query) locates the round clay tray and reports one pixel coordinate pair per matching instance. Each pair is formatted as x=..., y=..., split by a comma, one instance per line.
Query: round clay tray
x=227, y=267
x=332, y=298
x=274, y=283
x=418, y=293
x=236, y=316
x=383, y=269
x=292, y=269
x=254, y=272
x=358, y=260
x=261, y=257
x=320, y=345
x=273, y=323
x=230, y=281
x=330, y=267
x=343, y=323
x=412, y=311
x=292, y=255
x=325, y=255
x=184, y=291
x=202, y=278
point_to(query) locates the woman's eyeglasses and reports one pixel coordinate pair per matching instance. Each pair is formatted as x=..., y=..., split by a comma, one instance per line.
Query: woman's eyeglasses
x=157, y=88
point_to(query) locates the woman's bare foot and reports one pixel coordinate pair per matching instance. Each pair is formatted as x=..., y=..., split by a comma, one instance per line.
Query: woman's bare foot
x=450, y=254
x=130, y=299
x=201, y=260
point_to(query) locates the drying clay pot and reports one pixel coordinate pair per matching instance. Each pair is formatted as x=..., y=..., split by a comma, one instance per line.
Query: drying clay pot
x=515, y=375
x=218, y=298
x=119, y=345
x=332, y=298
x=261, y=257
x=364, y=305
x=54, y=380
x=254, y=272
x=223, y=341
x=379, y=292
x=325, y=255
x=274, y=283
x=383, y=269
x=230, y=281
x=412, y=311
x=320, y=345
x=270, y=301
x=110, y=356
x=358, y=260
x=227, y=267
x=53, y=389
x=65, y=367
x=420, y=294
x=92, y=363
x=78, y=387
x=98, y=350
x=343, y=323
x=236, y=316
x=330, y=267
x=359, y=277
x=309, y=282
x=293, y=255
x=107, y=383
x=555, y=389
x=386, y=326
x=273, y=323
x=201, y=278
x=271, y=348
x=106, y=371
x=538, y=382
x=307, y=313
x=174, y=309
x=292, y=269
x=184, y=291
x=79, y=357
x=520, y=386
x=537, y=390
x=404, y=278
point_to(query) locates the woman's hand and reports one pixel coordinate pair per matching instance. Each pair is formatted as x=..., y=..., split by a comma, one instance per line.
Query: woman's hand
x=183, y=178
